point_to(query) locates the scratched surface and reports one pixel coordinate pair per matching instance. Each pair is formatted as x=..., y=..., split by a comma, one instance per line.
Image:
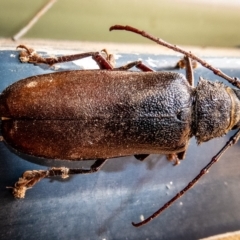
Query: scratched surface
x=103, y=205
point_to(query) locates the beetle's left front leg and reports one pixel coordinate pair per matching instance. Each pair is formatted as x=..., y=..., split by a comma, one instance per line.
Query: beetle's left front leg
x=30, y=178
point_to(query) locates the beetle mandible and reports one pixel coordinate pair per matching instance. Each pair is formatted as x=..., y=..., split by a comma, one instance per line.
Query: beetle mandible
x=111, y=112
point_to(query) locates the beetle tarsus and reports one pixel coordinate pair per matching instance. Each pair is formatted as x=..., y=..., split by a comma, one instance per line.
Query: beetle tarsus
x=28, y=180
x=109, y=57
x=28, y=55
x=173, y=158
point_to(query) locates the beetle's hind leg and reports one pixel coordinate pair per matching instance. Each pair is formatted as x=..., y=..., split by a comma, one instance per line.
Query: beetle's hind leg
x=30, y=178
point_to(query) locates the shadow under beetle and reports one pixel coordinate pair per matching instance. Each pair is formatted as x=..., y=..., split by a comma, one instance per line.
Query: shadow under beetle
x=112, y=112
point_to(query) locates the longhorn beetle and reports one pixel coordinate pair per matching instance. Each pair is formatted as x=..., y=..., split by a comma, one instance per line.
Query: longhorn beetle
x=112, y=112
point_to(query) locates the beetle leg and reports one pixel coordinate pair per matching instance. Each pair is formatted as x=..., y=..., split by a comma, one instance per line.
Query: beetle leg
x=137, y=64
x=141, y=157
x=103, y=59
x=128, y=66
x=176, y=157
x=181, y=155
x=173, y=157
x=30, y=178
x=189, y=64
x=109, y=57
x=104, y=62
x=94, y=168
x=182, y=63
x=28, y=55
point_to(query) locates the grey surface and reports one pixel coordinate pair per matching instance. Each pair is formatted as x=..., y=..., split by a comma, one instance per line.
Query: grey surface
x=103, y=205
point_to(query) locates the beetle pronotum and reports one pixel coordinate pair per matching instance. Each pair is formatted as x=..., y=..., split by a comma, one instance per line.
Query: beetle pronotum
x=113, y=112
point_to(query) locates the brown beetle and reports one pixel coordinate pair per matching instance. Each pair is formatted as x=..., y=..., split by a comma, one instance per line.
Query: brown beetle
x=100, y=114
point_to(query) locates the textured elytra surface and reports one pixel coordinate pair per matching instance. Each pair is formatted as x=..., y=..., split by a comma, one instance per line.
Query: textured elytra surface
x=98, y=114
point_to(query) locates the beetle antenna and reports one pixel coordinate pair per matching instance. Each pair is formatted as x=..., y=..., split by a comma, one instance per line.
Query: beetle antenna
x=231, y=142
x=233, y=81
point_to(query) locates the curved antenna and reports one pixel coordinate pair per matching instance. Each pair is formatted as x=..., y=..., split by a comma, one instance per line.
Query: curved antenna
x=231, y=142
x=234, y=81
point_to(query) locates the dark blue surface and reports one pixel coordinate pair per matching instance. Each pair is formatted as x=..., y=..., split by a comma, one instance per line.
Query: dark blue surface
x=103, y=205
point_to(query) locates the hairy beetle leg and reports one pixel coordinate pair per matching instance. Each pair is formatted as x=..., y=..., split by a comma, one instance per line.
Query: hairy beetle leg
x=30, y=178
x=103, y=59
x=28, y=55
x=27, y=181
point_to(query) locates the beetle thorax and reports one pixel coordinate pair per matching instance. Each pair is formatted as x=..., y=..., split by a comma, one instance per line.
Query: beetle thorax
x=216, y=110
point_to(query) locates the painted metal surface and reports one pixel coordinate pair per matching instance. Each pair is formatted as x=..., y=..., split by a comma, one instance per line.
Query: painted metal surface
x=101, y=205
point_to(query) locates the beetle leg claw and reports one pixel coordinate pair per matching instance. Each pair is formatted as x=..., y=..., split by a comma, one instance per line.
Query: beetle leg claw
x=109, y=57
x=28, y=55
